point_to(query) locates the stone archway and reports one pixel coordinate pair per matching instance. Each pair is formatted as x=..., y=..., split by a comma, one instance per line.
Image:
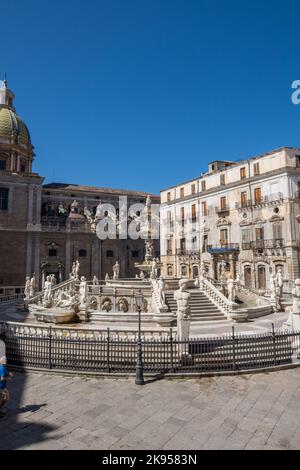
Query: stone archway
x=248, y=277
x=261, y=277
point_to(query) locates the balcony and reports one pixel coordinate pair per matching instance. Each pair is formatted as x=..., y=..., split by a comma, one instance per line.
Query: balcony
x=185, y=252
x=263, y=244
x=276, y=198
x=222, y=210
x=53, y=223
x=224, y=248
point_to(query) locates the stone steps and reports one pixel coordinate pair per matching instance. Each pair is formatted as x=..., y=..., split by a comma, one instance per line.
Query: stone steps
x=202, y=308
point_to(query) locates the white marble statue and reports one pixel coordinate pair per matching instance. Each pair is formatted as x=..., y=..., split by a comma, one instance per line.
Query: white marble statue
x=296, y=297
x=148, y=201
x=95, y=281
x=47, y=297
x=182, y=298
x=83, y=290
x=32, y=285
x=273, y=286
x=154, y=269
x=142, y=275
x=107, y=278
x=27, y=288
x=279, y=283
x=53, y=279
x=77, y=267
x=149, y=249
x=161, y=291
x=116, y=270
x=231, y=289
x=238, y=279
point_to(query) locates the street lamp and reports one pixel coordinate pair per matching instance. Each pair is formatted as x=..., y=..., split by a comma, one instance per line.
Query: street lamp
x=139, y=378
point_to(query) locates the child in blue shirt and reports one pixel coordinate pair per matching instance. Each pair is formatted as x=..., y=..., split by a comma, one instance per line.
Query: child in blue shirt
x=4, y=376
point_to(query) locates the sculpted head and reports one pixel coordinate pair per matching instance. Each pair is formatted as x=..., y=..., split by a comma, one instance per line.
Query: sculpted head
x=183, y=284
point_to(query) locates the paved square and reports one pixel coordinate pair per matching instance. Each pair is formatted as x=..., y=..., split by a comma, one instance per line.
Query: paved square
x=258, y=411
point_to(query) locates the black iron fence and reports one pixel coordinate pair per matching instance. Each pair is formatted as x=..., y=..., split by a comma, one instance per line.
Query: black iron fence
x=103, y=351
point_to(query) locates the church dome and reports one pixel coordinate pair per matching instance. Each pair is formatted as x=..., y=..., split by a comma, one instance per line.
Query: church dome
x=13, y=128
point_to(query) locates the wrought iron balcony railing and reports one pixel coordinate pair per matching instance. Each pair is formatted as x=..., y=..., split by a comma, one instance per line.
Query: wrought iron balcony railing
x=223, y=248
x=221, y=210
x=263, y=244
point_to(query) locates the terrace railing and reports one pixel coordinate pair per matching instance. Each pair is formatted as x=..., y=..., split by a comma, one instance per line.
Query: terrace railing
x=67, y=349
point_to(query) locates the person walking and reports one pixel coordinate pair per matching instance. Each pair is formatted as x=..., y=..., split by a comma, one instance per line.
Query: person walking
x=4, y=377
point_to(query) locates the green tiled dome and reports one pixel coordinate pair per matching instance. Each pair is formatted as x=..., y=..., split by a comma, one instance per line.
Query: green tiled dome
x=11, y=125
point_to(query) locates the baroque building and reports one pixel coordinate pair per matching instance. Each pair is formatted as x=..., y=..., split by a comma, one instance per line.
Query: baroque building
x=45, y=228
x=245, y=214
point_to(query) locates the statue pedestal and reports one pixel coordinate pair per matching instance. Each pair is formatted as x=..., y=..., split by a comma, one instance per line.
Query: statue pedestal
x=295, y=317
x=183, y=334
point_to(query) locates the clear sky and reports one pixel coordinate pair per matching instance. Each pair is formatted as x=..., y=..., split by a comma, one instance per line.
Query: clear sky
x=142, y=94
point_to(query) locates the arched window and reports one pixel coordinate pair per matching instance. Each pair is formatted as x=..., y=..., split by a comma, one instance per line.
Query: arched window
x=195, y=271
x=261, y=277
x=183, y=271
x=170, y=270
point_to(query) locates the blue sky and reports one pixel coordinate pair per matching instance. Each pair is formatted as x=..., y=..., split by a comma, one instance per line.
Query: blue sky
x=142, y=94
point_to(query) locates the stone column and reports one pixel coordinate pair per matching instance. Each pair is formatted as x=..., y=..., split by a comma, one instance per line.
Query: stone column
x=29, y=254
x=68, y=254
x=37, y=247
x=30, y=205
x=38, y=205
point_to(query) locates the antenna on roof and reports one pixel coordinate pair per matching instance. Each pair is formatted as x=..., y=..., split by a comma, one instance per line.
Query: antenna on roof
x=5, y=79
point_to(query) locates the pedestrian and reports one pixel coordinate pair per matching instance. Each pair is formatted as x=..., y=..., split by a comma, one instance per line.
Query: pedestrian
x=4, y=377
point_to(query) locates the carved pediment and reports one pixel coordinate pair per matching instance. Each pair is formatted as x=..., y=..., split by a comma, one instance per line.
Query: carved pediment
x=258, y=221
x=223, y=221
x=277, y=218
x=245, y=223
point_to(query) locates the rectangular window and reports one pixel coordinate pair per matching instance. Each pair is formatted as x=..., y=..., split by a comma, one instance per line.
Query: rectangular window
x=256, y=169
x=223, y=202
x=182, y=215
x=277, y=231
x=257, y=195
x=109, y=254
x=246, y=235
x=244, y=199
x=193, y=189
x=297, y=158
x=204, y=208
x=205, y=243
x=223, y=236
x=169, y=247
x=243, y=173
x=182, y=244
x=135, y=254
x=181, y=192
x=4, y=199
x=222, y=179
x=203, y=185
x=194, y=213
x=168, y=197
x=2, y=164
x=259, y=233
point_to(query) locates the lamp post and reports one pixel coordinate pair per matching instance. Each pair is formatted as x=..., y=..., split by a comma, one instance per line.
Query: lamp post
x=139, y=378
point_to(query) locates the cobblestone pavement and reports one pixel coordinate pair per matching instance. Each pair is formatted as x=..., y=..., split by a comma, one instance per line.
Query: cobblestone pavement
x=258, y=411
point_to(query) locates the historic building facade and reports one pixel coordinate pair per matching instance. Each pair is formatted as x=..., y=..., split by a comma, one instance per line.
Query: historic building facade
x=245, y=213
x=44, y=229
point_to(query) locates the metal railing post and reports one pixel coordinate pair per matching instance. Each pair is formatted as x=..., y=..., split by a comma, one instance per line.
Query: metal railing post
x=233, y=349
x=108, y=351
x=274, y=344
x=171, y=345
x=50, y=348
